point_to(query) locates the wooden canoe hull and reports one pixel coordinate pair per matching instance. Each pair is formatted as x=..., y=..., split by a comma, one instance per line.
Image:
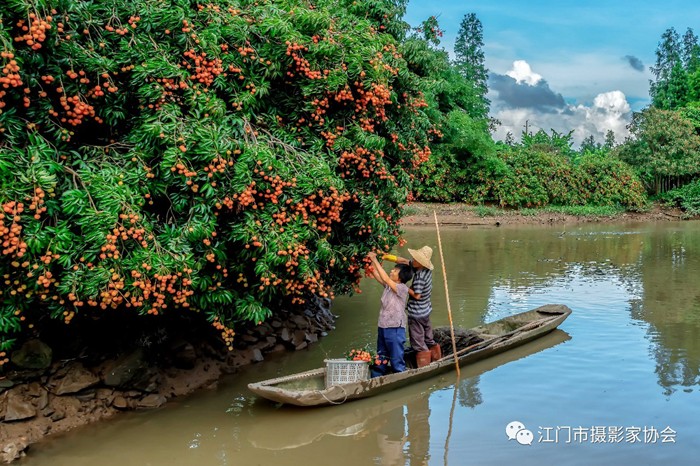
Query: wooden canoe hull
x=308, y=389
x=296, y=427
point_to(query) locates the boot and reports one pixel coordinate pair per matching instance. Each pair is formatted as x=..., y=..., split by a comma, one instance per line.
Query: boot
x=435, y=352
x=422, y=358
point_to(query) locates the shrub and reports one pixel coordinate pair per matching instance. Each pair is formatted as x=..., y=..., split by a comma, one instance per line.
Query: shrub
x=464, y=151
x=686, y=197
x=608, y=181
x=538, y=178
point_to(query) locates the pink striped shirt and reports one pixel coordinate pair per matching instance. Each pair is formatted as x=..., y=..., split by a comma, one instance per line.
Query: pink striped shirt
x=393, y=310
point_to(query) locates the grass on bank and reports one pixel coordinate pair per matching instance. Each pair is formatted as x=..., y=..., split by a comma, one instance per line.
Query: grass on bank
x=578, y=210
x=491, y=211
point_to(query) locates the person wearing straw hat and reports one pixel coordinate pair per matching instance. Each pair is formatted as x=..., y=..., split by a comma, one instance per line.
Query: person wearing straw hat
x=419, y=305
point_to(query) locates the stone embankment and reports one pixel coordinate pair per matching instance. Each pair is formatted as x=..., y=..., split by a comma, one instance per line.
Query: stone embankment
x=41, y=396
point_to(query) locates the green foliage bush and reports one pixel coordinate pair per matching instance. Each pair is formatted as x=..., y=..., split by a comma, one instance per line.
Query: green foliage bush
x=536, y=178
x=226, y=157
x=686, y=197
x=577, y=210
x=608, y=181
x=465, y=150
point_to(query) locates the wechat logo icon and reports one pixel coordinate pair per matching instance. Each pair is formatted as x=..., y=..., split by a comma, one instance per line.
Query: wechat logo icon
x=516, y=431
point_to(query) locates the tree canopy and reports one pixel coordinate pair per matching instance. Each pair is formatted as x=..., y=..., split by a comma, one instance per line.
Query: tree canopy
x=220, y=159
x=470, y=63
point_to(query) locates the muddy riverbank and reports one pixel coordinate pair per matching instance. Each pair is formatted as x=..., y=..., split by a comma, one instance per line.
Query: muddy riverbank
x=418, y=214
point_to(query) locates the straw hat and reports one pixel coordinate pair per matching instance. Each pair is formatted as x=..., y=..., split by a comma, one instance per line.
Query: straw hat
x=423, y=256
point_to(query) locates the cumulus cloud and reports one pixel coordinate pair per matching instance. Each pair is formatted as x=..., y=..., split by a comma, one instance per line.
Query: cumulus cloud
x=522, y=73
x=513, y=93
x=634, y=62
x=522, y=97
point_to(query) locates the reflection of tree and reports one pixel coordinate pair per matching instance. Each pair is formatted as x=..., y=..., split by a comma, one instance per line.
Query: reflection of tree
x=469, y=393
x=660, y=265
x=671, y=305
x=677, y=352
x=673, y=369
x=394, y=431
x=524, y=258
x=663, y=264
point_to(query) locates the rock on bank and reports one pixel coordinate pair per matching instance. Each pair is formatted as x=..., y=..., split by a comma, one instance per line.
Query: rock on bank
x=48, y=390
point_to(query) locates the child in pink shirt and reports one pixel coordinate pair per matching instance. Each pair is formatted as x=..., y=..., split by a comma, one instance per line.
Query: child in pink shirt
x=391, y=333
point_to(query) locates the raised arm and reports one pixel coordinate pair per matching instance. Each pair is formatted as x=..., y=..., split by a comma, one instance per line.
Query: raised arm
x=404, y=261
x=381, y=272
x=375, y=274
x=397, y=259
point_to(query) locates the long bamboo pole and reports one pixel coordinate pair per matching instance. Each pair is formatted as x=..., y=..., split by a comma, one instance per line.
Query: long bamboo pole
x=447, y=294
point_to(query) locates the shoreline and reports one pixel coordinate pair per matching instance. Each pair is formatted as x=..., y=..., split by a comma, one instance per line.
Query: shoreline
x=457, y=214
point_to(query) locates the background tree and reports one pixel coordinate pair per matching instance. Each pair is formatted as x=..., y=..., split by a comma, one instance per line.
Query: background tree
x=689, y=55
x=694, y=88
x=589, y=144
x=561, y=143
x=470, y=62
x=665, y=149
x=465, y=143
x=609, y=140
x=669, y=89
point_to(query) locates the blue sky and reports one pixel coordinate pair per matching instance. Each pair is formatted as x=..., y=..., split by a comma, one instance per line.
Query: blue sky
x=581, y=65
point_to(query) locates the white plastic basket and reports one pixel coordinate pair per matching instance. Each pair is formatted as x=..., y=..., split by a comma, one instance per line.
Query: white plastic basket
x=340, y=371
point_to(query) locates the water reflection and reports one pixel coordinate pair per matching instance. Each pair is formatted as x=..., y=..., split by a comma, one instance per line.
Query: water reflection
x=634, y=360
x=418, y=430
x=391, y=438
x=657, y=265
x=468, y=393
x=671, y=304
x=392, y=428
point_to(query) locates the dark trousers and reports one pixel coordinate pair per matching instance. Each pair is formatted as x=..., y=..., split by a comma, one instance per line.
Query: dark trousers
x=390, y=343
x=420, y=333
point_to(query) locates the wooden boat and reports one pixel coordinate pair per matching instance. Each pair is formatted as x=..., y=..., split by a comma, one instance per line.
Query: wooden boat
x=286, y=427
x=308, y=388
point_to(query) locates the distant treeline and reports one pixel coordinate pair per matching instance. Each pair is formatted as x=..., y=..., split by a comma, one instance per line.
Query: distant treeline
x=659, y=160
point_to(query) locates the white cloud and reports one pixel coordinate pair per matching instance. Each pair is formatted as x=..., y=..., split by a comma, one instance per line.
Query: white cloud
x=522, y=73
x=608, y=110
x=583, y=76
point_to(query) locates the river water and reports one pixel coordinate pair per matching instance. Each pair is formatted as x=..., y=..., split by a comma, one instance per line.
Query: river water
x=617, y=384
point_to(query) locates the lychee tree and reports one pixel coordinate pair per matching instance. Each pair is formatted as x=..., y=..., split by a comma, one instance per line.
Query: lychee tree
x=224, y=158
